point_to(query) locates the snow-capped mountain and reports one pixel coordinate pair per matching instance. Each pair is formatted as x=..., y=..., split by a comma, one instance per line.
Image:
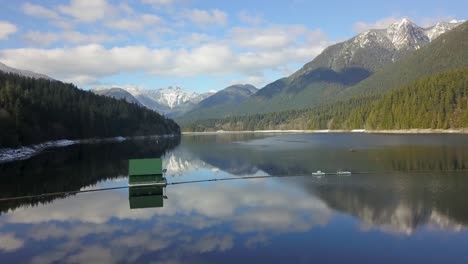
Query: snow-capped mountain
x=178, y=163
x=440, y=28
x=26, y=73
x=171, y=101
x=173, y=96
x=373, y=49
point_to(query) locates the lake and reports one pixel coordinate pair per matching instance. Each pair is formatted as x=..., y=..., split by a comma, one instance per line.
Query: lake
x=406, y=201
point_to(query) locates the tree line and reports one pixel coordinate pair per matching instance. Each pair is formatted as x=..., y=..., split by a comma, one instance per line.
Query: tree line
x=37, y=110
x=439, y=102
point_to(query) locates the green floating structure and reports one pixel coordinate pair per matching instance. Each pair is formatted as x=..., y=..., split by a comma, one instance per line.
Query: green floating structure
x=144, y=172
x=146, y=182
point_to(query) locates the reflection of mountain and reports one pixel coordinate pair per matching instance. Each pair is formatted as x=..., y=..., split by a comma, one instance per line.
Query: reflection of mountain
x=398, y=203
x=179, y=162
x=72, y=168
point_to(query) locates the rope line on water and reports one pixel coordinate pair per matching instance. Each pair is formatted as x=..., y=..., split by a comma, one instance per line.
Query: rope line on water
x=65, y=193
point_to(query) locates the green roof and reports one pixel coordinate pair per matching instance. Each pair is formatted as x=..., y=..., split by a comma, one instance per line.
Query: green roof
x=144, y=167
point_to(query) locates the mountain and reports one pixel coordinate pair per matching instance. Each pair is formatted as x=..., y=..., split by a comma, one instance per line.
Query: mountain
x=437, y=71
x=37, y=110
x=448, y=51
x=25, y=73
x=117, y=93
x=435, y=102
x=375, y=48
x=171, y=101
x=231, y=95
x=338, y=68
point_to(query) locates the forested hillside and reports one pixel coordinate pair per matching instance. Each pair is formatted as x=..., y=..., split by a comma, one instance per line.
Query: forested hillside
x=439, y=101
x=36, y=110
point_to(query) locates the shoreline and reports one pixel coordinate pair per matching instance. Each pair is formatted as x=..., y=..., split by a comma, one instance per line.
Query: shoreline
x=26, y=152
x=325, y=131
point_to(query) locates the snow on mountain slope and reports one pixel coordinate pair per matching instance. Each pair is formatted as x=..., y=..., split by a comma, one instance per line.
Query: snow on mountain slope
x=373, y=49
x=170, y=101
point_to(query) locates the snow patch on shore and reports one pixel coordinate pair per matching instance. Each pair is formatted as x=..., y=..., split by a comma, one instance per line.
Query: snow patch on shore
x=9, y=154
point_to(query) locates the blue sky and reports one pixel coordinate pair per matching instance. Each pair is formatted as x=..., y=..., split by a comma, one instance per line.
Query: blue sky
x=199, y=45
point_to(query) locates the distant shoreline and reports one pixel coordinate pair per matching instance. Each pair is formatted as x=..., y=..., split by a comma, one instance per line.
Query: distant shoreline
x=324, y=131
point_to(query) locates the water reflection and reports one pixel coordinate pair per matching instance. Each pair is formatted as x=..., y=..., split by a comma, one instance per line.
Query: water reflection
x=277, y=220
x=197, y=219
x=398, y=203
x=146, y=197
x=73, y=168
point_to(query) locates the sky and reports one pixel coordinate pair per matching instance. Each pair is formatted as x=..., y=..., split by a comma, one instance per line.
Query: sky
x=199, y=45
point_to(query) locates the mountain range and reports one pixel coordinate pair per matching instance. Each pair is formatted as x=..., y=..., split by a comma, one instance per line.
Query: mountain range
x=170, y=101
x=427, y=88
x=174, y=101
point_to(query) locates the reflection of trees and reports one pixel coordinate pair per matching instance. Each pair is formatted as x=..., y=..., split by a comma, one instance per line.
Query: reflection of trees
x=72, y=168
x=294, y=157
x=401, y=202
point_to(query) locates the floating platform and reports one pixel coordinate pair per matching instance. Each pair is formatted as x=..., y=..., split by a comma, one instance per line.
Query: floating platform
x=146, y=172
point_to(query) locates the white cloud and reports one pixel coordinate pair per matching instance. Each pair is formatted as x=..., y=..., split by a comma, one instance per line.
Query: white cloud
x=9, y=242
x=273, y=37
x=6, y=29
x=39, y=11
x=379, y=24
x=204, y=18
x=317, y=37
x=77, y=37
x=85, y=64
x=279, y=37
x=256, y=80
x=92, y=254
x=46, y=13
x=38, y=38
x=87, y=10
x=137, y=23
x=195, y=39
x=212, y=242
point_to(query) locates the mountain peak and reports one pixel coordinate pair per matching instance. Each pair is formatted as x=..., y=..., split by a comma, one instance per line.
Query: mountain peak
x=369, y=51
x=405, y=21
x=407, y=35
x=233, y=94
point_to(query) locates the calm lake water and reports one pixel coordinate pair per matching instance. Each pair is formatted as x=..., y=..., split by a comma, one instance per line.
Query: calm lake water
x=410, y=205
